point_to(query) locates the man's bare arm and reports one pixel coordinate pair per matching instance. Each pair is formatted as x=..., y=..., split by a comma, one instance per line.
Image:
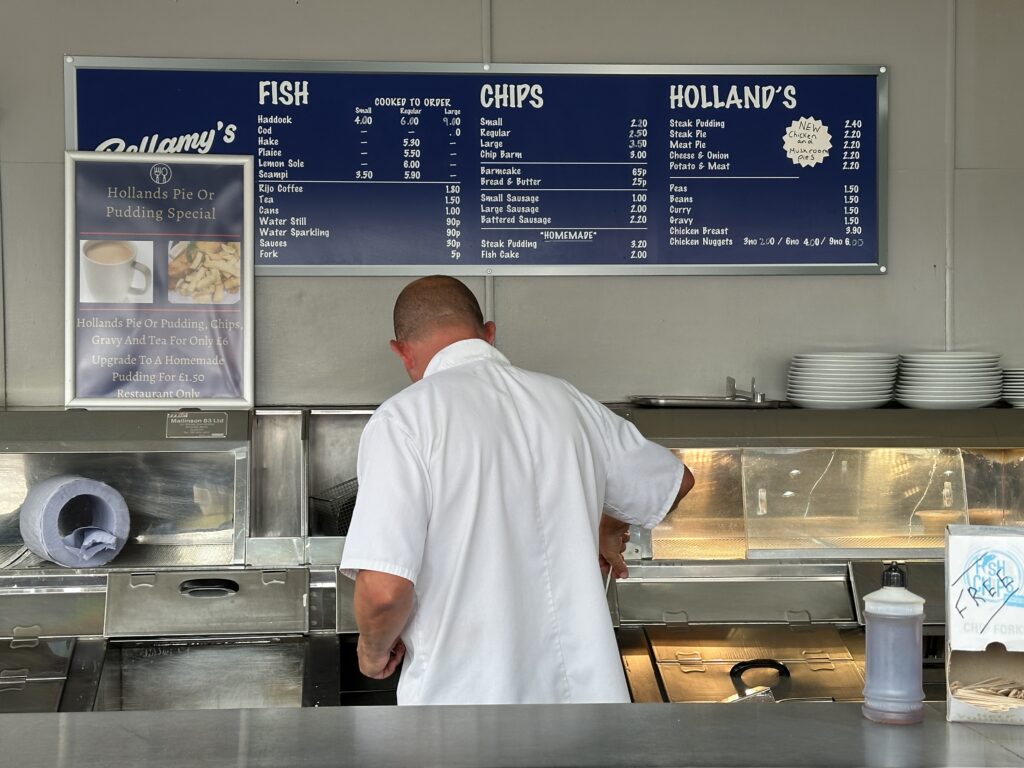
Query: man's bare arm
x=382, y=606
x=613, y=534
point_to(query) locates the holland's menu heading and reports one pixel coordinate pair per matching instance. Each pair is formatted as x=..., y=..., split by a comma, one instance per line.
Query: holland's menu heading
x=734, y=97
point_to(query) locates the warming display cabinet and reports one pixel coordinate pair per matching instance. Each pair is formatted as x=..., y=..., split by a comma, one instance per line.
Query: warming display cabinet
x=752, y=587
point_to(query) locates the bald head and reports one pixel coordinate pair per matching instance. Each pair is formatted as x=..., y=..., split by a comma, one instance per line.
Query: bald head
x=434, y=303
x=430, y=314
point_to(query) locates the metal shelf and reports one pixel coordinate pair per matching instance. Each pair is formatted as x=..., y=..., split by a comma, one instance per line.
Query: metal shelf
x=39, y=430
x=794, y=427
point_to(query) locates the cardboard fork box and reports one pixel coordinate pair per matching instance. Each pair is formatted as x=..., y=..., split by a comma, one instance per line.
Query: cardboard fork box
x=984, y=614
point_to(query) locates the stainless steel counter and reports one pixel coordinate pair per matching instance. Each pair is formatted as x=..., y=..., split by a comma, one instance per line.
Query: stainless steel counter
x=583, y=735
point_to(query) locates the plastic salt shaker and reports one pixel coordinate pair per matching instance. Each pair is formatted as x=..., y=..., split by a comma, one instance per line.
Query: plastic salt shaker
x=894, y=621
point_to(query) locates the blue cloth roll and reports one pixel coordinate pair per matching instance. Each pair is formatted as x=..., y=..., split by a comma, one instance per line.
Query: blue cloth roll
x=95, y=521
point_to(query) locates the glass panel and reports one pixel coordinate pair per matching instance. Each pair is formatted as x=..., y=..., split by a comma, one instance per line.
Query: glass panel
x=13, y=488
x=985, y=476
x=708, y=523
x=802, y=501
x=1014, y=484
x=995, y=486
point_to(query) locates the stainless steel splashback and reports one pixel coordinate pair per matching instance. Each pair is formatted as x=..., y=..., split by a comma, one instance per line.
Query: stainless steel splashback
x=277, y=531
x=305, y=485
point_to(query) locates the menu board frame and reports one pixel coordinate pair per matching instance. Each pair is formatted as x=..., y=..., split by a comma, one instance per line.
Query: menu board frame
x=297, y=67
x=73, y=284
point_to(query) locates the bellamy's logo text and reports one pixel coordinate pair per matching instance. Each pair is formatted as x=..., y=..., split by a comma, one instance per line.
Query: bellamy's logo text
x=200, y=141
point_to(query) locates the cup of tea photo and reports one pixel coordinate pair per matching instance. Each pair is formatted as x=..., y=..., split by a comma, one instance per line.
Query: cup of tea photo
x=116, y=271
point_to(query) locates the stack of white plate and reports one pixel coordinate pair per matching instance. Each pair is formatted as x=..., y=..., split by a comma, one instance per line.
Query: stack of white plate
x=1013, y=386
x=841, y=379
x=949, y=380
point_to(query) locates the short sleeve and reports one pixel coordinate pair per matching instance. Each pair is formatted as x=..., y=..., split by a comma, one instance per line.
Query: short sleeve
x=389, y=523
x=643, y=478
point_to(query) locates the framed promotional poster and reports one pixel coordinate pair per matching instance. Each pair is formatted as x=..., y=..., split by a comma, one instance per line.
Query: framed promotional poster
x=159, y=281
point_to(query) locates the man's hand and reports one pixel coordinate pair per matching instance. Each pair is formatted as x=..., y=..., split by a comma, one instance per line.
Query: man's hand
x=612, y=537
x=379, y=666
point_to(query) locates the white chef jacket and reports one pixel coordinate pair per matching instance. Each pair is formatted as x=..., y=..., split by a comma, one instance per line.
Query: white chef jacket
x=483, y=484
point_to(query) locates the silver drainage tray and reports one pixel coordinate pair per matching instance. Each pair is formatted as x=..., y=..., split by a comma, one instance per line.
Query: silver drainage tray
x=214, y=602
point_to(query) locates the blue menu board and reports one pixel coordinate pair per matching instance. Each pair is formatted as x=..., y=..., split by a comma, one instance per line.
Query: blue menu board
x=528, y=170
x=159, y=281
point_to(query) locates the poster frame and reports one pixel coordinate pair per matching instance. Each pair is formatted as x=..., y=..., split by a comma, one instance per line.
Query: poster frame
x=71, y=399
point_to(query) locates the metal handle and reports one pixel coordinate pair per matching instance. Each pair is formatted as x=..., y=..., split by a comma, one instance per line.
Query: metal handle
x=208, y=588
x=742, y=666
x=751, y=395
x=777, y=691
x=13, y=679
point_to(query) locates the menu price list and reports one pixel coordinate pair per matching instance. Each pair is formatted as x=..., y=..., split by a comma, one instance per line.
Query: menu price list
x=397, y=155
x=480, y=192
x=432, y=169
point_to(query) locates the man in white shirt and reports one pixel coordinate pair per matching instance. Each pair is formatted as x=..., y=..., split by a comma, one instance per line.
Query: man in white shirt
x=488, y=496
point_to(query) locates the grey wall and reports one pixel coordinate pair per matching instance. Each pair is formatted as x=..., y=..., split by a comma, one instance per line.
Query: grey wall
x=989, y=180
x=956, y=187
x=3, y=332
